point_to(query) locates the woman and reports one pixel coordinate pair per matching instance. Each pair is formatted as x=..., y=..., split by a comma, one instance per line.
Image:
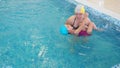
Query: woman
x=79, y=24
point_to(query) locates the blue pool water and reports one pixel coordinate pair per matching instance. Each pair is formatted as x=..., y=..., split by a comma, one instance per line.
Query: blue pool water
x=30, y=37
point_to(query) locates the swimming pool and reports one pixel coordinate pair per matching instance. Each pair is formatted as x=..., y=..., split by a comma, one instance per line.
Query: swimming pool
x=30, y=37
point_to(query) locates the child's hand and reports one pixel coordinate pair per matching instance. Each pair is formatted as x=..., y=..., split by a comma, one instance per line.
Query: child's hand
x=86, y=26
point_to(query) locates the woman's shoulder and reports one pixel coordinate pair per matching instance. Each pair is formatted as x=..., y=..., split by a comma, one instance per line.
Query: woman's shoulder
x=72, y=17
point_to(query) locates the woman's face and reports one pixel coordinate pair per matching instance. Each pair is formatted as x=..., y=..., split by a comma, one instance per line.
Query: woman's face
x=79, y=15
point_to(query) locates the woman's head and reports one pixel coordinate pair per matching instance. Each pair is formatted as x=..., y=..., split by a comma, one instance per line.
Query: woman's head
x=79, y=11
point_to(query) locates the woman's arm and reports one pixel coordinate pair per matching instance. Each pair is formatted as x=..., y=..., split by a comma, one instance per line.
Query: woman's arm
x=76, y=32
